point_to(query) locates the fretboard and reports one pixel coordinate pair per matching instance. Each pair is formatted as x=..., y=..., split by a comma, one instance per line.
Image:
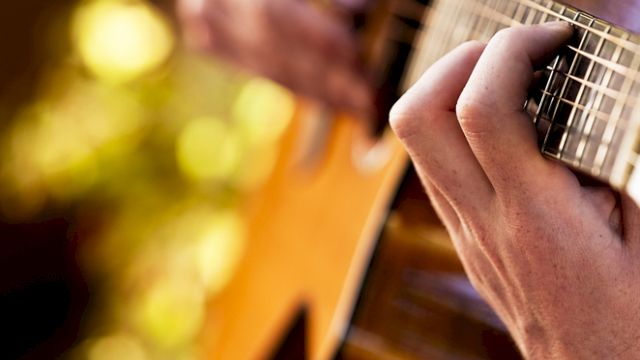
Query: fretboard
x=585, y=105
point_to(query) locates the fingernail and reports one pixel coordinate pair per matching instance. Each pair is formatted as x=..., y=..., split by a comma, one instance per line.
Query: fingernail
x=560, y=25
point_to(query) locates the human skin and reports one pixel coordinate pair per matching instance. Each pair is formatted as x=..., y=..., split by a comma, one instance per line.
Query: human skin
x=307, y=49
x=559, y=262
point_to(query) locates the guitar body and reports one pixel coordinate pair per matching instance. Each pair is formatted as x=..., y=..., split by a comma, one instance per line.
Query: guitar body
x=309, y=230
x=316, y=225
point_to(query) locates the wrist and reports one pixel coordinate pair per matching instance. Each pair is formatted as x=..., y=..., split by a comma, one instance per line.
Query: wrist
x=538, y=344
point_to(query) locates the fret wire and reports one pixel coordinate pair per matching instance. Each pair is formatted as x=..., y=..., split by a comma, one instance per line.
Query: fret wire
x=446, y=29
x=547, y=88
x=501, y=8
x=471, y=14
x=573, y=67
x=441, y=34
x=481, y=9
x=623, y=70
x=487, y=12
x=470, y=10
x=616, y=114
x=461, y=32
x=478, y=18
x=486, y=20
x=519, y=13
x=588, y=128
x=611, y=93
x=492, y=15
x=494, y=26
x=631, y=46
x=423, y=59
x=583, y=84
x=628, y=144
x=453, y=25
x=598, y=114
x=513, y=9
x=530, y=17
x=545, y=14
x=611, y=65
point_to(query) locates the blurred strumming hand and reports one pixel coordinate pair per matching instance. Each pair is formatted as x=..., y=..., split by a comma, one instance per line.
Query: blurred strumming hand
x=289, y=41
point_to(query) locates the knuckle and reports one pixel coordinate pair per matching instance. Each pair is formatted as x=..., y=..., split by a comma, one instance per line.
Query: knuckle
x=472, y=114
x=402, y=124
x=506, y=37
x=404, y=118
x=473, y=45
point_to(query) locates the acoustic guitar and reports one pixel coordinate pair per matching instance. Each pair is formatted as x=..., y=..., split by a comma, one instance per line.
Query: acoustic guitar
x=342, y=237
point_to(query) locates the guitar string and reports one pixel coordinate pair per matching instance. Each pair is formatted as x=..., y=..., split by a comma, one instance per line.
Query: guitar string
x=487, y=11
x=481, y=9
x=608, y=91
x=547, y=89
x=510, y=22
x=598, y=59
x=626, y=44
x=573, y=67
x=586, y=133
x=620, y=69
x=616, y=114
x=611, y=125
x=584, y=84
x=611, y=93
x=599, y=113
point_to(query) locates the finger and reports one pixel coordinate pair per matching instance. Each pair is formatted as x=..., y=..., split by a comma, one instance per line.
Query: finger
x=329, y=82
x=326, y=44
x=490, y=109
x=299, y=21
x=293, y=63
x=425, y=122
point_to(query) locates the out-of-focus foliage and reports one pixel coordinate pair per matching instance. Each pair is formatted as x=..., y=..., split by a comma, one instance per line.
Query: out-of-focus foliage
x=151, y=148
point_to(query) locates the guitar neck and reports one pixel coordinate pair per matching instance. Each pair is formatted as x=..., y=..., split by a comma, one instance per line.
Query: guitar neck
x=585, y=105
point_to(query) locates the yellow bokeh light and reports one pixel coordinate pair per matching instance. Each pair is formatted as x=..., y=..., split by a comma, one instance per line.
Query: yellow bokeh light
x=71, y=127
x=116, y=347
x=263, y=110
x=171, y=312
x=120, y=40
x=208, y=149
x=220, y=250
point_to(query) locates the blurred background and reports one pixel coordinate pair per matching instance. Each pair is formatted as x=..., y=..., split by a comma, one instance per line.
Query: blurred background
x=125, y=164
